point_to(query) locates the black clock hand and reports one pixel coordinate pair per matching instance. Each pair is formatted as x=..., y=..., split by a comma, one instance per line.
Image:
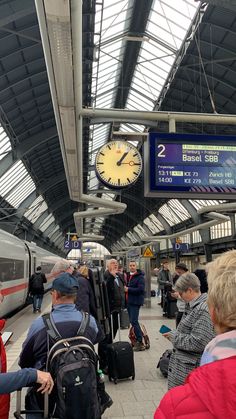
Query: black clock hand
x=122, y=158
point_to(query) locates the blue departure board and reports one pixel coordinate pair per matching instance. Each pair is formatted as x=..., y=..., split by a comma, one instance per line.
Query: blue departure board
x=185, y=165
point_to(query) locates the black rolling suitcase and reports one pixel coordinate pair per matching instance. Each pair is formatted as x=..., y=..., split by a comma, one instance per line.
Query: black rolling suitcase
x=120, y=358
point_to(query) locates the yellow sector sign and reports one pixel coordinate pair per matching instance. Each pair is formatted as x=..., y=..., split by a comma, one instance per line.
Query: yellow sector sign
x=148, y=253
x=74, y=238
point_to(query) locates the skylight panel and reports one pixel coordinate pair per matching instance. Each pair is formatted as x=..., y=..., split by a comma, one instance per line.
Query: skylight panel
x=53, y=231
x=180, y=210
x=16, y=181
x=157, y=223
x=200, y=203
x=152, y=226
x=5, y=144
x=169, y=215
x=20, y=193
x=46, y=223
x=132, y=237
x=36, y=209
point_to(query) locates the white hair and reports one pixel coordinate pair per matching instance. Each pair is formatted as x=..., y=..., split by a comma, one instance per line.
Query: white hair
x=110, y=261
x=61, y=266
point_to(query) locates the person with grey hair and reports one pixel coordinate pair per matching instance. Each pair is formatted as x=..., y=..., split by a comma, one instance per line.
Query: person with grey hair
x=193, y=333
x=62, y=265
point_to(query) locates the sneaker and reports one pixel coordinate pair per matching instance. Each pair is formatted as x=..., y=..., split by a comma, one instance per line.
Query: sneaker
x=139, y=346
x=106, y=405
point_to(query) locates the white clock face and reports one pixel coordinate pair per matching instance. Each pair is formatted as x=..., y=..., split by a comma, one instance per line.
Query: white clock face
x=118, y=164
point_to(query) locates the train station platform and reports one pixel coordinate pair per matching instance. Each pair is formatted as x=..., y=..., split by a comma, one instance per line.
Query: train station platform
x=136, y=399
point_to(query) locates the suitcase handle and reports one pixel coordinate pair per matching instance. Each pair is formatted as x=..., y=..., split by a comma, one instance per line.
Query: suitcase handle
x=112, y=329
x=18, y=412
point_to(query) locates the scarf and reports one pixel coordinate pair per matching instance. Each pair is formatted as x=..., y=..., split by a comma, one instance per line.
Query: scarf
x=221, y=347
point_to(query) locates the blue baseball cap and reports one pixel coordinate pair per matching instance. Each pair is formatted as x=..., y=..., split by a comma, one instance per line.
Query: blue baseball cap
x=65, y=283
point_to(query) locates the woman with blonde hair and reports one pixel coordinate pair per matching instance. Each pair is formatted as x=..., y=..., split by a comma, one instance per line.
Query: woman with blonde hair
x=209, y=391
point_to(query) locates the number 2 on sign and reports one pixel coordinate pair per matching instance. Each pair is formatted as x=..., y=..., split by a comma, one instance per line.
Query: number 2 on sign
x=161, y=150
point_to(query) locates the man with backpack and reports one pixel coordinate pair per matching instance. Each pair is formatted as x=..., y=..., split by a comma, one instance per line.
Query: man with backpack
x=36, y=288
x=63, y=341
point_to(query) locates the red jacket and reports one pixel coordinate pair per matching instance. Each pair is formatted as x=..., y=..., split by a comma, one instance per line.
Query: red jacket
x=209, y=393
x=4, y=398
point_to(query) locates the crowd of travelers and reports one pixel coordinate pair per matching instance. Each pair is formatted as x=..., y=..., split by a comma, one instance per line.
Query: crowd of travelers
x=202, y=359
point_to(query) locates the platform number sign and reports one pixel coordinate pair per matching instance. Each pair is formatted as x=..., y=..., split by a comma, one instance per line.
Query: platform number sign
x=72, y=242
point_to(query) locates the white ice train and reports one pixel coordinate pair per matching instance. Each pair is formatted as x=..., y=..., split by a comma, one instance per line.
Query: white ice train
x=18, y=260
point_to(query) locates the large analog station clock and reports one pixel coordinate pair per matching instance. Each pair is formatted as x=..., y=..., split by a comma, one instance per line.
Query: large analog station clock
x=118, y=164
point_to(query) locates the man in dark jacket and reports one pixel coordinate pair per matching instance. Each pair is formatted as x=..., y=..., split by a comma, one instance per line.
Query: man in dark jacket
x=116, y=297
x=164, y=276
x=36, y=288
x=135, y=292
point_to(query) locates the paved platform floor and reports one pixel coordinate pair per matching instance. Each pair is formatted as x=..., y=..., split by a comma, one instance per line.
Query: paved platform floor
x=136, y=399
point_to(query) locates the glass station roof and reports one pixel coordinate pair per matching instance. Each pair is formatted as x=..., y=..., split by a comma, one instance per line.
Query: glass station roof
x=166, y=29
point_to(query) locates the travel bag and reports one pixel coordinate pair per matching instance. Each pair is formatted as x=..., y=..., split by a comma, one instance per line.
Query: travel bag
x=124, y=319
x=163, y=362
x=132, y=337
x=120, y=358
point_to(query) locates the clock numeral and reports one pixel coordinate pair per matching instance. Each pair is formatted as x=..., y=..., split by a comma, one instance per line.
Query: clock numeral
x=101, y=173
x=109, y=147
x=128, y=179
x=100, y=162
x=109, y=179
x=102, y=154
x=135, y=173
x=134, y=155
x=118, y=181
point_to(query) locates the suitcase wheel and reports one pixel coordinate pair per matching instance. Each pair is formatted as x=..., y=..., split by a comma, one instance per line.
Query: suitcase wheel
x=147, y=346
x=115, y=381
x=110, y=378
x=133, y=377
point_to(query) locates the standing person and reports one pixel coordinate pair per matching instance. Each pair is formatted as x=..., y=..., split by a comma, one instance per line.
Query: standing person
x=85, y=298
x=4, y=398
x=163, y=276
x=36, y=288
x=85, y=301
x=135, y=290
x=67, y=320
x=193, y=333
x=180, y=270
x=116, y=298
x=209, y=391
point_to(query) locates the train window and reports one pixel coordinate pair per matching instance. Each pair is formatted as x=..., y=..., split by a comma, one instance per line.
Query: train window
x=11, y=269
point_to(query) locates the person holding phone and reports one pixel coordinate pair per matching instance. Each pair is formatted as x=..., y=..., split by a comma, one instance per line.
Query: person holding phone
x=209, y=391
x=193, y=333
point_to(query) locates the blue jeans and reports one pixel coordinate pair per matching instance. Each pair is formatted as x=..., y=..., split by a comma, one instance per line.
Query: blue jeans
x=37, y=301
x=133, y=311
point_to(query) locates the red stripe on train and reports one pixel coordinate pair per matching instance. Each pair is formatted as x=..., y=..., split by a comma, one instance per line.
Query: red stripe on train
x=12, y=290
x=16, y=288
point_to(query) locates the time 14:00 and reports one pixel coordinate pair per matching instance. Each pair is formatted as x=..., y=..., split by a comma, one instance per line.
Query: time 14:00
x=165, y=179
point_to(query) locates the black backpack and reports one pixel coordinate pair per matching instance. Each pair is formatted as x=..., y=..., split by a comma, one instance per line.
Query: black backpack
x=72, y=363
x=37, y=282
x=163, y=363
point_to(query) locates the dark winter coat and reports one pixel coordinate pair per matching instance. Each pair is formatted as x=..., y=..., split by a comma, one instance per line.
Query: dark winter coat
x=85, y=299
x=36, y=282
x=136, y=289
x=116, y=294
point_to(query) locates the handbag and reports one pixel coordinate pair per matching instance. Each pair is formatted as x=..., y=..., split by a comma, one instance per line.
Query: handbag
x=29, y=299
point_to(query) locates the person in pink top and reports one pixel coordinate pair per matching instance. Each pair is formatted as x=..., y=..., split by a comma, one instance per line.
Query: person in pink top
x=209, y=390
